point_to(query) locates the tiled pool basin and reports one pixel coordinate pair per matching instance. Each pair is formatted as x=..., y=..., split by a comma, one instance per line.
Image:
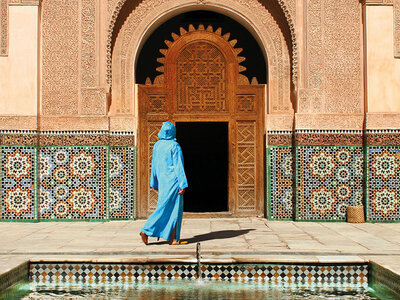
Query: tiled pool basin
x=70, y=280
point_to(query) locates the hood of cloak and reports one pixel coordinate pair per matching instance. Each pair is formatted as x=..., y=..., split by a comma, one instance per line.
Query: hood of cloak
x=167, y=132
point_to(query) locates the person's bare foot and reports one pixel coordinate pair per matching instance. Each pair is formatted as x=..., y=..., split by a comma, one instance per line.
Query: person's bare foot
x=145, y=238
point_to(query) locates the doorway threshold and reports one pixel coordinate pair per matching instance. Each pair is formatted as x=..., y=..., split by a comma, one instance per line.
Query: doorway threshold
x=201, y=215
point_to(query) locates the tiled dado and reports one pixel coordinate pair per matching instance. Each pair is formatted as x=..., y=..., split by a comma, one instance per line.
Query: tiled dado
x=80, y=176
x=122, y=183
x=73, y=183
x=383, y=175
x=280, y=175
x=328, y=177
x=266, y=272
x=18, y=183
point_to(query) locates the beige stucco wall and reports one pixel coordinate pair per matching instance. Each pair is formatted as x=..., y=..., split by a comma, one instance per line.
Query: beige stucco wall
x=18, y=71
x=383, y=70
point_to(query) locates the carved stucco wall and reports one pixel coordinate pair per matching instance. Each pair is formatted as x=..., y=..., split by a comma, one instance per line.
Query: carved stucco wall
x=287, y=6
x=396, y=7
x=3, y=27
x=143, y=16
x=334, y=64
x=70, y=80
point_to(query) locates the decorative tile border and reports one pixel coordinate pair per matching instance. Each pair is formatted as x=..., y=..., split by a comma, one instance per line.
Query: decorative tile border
x=280, y=138
x=383, y=183
x=122, y=139
x=281, y=178
x=328, y=179
x=329, y=137
x=74, y=138
x=122, y=183
x=286, y=273
x=382, y=137
x=265, y=272
x=18, y=183
x=73, y=183
x=18, y=138
x=109, y=272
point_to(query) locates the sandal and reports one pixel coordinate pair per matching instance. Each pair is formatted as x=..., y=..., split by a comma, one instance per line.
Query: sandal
x=145, y=238
x=179, y=243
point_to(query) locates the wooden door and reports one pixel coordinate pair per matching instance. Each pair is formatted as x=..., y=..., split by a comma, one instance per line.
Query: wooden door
x=201, y=81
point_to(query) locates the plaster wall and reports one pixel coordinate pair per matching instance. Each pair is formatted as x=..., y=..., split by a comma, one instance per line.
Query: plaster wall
x=383, y=70
x=18, y=70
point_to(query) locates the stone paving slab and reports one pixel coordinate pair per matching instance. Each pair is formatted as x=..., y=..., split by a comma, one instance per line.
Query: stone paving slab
x=222, y=240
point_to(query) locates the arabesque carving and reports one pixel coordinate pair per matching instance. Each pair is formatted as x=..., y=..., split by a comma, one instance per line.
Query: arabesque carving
x=396, y=11
x=287, y=6
x=141, y=18
x=60, y=57
x=88, y=47
x=333, y=58
x=3, y=27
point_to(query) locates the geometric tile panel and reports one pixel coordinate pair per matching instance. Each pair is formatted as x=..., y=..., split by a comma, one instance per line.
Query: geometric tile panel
x=280, y=167
x=328, y=179
x=122, y=183
x=383, y=183
x=108, y=272
x=73, y=183
x=287, y=273
x=18, y=186
x=92, y=272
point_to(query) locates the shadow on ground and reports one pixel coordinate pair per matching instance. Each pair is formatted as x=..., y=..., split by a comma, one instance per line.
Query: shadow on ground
x=214, y=235
x=218, y=235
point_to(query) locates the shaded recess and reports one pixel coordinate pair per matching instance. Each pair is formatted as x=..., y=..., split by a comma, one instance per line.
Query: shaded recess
x=205, y=151
x=147, y=60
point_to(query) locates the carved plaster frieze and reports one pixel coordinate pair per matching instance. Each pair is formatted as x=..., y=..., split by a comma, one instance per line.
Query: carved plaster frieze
x=3, y=27
x=18, y=122
x=329, y=121
x=24, y=2
x=70, y=59
x=383, y=120
x=279, y=122
x=60, y=123
x=396, y=18
x=378, y=2
x=60, y=57
x=334, y=66
x=121, y=123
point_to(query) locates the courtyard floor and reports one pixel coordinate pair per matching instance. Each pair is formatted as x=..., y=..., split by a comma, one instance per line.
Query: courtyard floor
x=222, y=240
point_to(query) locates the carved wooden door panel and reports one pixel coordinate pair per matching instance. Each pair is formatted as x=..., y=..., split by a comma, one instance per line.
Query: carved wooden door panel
x=153, y=112
x=201, y=81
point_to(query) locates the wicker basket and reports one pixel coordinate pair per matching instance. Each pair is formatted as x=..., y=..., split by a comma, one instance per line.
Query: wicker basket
x=355, y=214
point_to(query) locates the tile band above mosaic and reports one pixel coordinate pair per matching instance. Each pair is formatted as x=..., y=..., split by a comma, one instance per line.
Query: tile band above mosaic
x=67, y=138
x=329, y=137
x=19, y=138
x=382, y=137
x=43, y=272
x=280, y=138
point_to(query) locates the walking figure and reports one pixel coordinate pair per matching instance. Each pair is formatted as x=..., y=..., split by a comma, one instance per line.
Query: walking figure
x=169, y=179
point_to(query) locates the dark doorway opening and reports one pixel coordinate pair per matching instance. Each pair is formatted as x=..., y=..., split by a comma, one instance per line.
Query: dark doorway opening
x=205, y=151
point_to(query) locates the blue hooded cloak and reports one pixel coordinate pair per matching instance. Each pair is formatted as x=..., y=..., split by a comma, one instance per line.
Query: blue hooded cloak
x=167, y=176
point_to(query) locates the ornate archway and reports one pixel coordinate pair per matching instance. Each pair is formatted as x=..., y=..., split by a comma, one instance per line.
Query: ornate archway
x=268, y=21
x=201, y=81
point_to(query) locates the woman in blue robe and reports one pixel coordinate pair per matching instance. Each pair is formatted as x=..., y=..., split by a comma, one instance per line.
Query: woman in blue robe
x=169, y=179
